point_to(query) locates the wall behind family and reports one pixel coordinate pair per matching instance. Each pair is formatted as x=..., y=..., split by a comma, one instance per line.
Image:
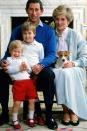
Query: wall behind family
x=16, y=8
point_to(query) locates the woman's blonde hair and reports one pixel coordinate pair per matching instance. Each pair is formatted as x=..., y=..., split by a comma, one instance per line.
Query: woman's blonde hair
x=28, y=26
x=63, y=10
x=15, y=44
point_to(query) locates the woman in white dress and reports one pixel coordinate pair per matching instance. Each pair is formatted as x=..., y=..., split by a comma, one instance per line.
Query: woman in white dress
x=70, y=80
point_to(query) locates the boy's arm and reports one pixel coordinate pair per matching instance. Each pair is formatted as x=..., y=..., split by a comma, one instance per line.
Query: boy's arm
x=41, y=53
x=12, y=68
x=25, y=66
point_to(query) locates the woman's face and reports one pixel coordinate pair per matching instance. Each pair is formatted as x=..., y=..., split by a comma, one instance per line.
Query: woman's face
x=61, y=23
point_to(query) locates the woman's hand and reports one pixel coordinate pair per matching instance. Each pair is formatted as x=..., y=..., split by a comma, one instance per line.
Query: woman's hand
x=69, y=64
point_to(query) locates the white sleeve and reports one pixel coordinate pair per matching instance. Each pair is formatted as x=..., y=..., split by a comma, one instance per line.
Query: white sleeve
x=12, y=69
x=29, y=68
x=41, y=54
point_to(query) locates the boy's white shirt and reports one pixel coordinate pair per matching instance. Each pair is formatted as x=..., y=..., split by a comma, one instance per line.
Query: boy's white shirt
x=34, y=52
x=14, y=68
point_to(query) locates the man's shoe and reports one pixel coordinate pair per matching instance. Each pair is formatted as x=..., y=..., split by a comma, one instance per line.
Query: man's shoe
x=4, y=120
x=51, y=123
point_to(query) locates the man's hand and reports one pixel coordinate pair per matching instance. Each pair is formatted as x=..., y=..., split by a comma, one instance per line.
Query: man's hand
x=37, y=69
x=4, y=65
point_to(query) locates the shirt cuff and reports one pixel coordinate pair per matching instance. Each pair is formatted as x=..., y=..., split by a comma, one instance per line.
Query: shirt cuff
x=42, y=66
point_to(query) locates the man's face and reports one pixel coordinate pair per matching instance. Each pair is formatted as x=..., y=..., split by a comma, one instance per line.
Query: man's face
x=34, y=12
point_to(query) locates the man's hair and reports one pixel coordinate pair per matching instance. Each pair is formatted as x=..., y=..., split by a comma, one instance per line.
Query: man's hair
x=15, y=44
x=34, y=1
x=28, y=26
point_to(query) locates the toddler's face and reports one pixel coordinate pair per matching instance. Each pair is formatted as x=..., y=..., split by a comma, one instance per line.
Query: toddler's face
x=15, y=53
x=28, y=36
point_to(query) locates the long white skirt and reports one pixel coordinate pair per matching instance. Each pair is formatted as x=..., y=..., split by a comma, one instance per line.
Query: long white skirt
x=70, y=91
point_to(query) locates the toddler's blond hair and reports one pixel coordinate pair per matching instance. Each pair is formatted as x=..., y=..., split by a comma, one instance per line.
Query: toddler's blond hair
x=15, y=44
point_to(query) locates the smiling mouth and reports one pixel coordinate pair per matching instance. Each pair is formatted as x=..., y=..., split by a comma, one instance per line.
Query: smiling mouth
x=33, y=17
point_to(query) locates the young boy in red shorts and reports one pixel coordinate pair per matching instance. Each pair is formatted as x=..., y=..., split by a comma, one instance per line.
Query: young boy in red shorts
x=23, y=87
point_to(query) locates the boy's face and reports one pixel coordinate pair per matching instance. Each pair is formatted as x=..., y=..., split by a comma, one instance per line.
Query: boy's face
x=15, y=53
x=28, y=36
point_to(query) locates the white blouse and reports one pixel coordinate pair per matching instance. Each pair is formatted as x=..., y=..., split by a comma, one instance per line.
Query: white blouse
x=62, y=41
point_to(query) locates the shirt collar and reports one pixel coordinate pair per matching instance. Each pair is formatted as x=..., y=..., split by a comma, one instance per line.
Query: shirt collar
x=40, y=23
x=29, y=44
x=64, y=33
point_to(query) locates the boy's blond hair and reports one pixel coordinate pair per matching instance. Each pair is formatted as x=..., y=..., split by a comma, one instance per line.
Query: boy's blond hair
x=28, y=26
x=15, y=44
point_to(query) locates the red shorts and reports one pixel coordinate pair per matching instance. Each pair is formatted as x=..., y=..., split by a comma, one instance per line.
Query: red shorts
x=24, y=90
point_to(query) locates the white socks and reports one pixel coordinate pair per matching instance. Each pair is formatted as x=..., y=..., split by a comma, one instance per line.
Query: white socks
x=15, y=116
x=31, y=115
